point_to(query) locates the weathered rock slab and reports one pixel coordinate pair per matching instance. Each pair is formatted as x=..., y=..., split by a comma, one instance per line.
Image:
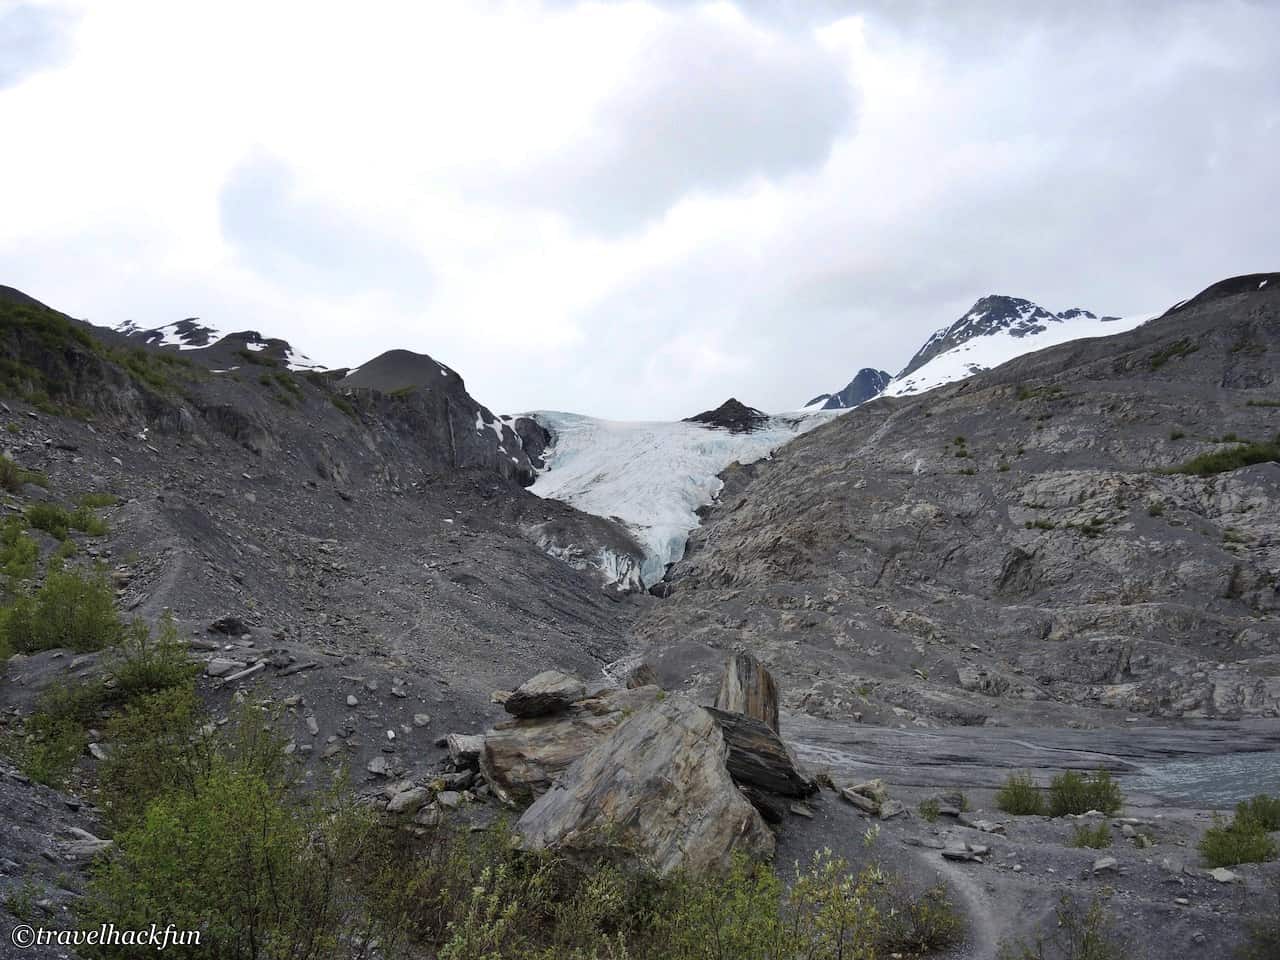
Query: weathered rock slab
x=549, y=692
x=522, y=758
x=657, y=789
x=758, y=757
x=748, y=688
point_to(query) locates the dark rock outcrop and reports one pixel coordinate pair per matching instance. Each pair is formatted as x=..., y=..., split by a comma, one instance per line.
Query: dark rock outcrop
x=748, y=688
x=732, y=415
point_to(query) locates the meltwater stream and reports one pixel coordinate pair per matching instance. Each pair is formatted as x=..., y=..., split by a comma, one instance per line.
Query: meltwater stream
x=1210, y=781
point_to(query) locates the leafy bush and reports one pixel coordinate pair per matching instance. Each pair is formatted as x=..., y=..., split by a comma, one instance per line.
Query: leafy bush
x=1242, y=840
x=1096, y=837
x=13, y=478
x=929, y=810
x=1179, y=348
x=1262, y=809
x=1074, y=793
x=1020, y=796
x=18, y=552
x=1081, y=933
x=58, y=521
x=1222, y=461
x=71, y=609
x=145, y=664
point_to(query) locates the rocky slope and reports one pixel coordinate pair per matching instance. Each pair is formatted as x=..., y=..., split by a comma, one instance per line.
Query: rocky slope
x=1013, y=548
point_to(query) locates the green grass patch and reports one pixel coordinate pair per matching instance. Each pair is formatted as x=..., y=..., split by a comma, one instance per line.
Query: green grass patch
x=95, y=501
x=1097, y=837
x=58, y=521
x=1223, y=461
x=13, y=477
x=1262, y=403
x=1179, y=348
x=1075, y=793
x=343, y=404
x=18, y=552
x=1082, y=931
x=1020, y=796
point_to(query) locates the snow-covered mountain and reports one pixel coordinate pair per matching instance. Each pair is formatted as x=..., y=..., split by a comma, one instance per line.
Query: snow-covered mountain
x=188, y=334
x=996, y=329
x=867, y=384
x=651, y=476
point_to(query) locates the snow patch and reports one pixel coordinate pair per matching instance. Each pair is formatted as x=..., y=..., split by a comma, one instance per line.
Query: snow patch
x=991, y=350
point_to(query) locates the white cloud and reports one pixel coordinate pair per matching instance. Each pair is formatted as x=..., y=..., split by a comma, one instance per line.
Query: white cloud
x=632, y=209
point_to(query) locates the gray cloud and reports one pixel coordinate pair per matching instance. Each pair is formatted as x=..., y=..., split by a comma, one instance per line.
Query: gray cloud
x=308, y=242
x=708, y=109
x=32, y=38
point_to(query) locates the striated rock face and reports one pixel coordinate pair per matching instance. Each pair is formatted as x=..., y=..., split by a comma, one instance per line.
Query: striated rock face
x=748, y=688
x=657, y=790
x=522, y=758
x=549, y=692
x=759, y=758
x=1016, y=548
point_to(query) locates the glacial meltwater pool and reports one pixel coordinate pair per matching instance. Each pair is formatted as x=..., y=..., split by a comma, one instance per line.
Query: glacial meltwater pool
x=1220, y=781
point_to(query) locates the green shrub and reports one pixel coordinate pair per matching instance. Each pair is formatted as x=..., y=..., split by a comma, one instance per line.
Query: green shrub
x=144, y=663
x=13, y=478
x=18, y=552
x=1242, y=840
x=1081, y=933
x=929, y=810
x=55, y=735
x=1096, y=837
x=71, y=609
x=915, y=926
x=1074, y=793
x=58, y=521
x=1262, y=810
x=1222, y=461
x=1020, y=796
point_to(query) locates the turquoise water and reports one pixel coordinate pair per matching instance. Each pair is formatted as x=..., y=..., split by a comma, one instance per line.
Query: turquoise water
x=1212, y=781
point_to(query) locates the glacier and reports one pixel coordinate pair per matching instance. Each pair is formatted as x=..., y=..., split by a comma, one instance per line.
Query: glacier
x=652, y=476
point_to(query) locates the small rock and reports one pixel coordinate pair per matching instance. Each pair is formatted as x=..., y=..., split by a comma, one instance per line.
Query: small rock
x=313, y=726
x=1223, y=875
x=1105, y=865
x=352, y=700
x=221, y=666
x=379, y=767
x=892, y=808
x=421, y=719
x=409, y=801
x=450, y=799
x=963, y=851
x=800, y=810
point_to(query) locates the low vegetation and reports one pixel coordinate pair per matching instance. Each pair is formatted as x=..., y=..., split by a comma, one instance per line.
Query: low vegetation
x=1083, y=931
x=58, y=521
x=1095, y=837
x=1223, y=461
x=13, y=477
x=1074, y=793
x=1263, y=940
x=1020, y=796
x=71, y=609
x=1245, y=838
x=1179, y=348
x=18, y=552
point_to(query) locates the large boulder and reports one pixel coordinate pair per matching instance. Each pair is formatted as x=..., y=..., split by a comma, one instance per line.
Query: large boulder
x=549, y=692
x=521, y=758
x=656, y=789
x=748, y=688
x=758, y=757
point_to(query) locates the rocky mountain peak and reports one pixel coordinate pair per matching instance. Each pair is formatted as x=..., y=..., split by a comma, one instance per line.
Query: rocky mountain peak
x=868, y=383
x=400, y=370
x=733, y=415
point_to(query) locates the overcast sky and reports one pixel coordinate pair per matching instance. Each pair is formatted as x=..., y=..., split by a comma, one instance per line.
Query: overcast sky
x=636, y=209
